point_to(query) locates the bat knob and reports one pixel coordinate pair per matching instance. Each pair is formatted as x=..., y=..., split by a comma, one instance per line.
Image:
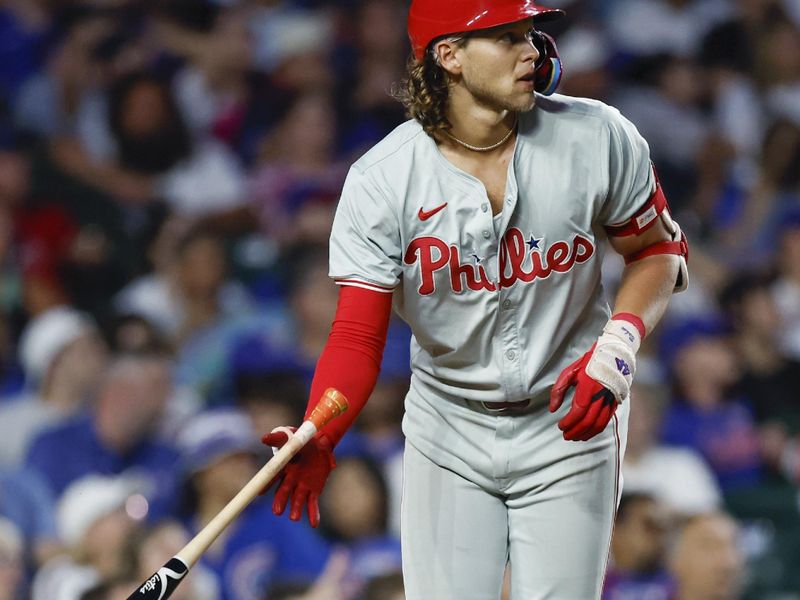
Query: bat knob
x=331, y=405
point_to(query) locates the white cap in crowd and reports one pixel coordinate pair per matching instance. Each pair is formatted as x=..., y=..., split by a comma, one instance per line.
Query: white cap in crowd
x=88, y=500
x=47, y=335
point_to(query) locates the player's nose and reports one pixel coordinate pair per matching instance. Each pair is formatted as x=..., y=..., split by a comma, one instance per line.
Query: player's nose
x=531, y=51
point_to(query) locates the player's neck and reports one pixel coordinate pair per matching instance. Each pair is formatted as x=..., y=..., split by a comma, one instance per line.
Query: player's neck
x=478, y=129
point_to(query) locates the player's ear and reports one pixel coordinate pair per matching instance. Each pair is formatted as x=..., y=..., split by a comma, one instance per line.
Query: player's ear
x=445, y=51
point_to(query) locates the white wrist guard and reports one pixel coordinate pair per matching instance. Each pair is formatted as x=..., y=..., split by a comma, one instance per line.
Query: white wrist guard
x=613, y=362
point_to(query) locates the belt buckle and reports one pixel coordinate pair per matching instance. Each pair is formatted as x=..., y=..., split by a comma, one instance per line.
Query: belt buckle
x=507, y=407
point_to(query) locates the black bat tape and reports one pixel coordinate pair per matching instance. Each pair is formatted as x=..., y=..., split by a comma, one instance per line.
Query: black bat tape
x=161, y=585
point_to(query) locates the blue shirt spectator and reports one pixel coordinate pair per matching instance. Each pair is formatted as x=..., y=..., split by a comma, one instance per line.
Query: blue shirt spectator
x=74, y=449
x=117, y=436
x=725, y=436
x=218, y=457
x=27, y=502
x=22, y=46
x=636, y=586
x=704, y=415
x=261, y=550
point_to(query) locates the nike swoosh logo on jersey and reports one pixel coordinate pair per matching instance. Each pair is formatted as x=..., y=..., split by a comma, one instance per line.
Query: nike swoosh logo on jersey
x=425, y=215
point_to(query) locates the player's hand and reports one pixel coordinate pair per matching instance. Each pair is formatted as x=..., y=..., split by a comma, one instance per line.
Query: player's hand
x=602, y=378
x=302, y=480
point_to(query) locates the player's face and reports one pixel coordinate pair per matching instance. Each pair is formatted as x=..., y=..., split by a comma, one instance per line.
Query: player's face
x=498, y=66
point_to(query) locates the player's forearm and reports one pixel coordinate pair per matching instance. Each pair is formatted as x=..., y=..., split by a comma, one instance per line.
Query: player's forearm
x=646, y=288
x=352, y=356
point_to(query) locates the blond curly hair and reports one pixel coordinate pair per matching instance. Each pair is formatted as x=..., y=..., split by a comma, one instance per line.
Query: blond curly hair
x=425, y=90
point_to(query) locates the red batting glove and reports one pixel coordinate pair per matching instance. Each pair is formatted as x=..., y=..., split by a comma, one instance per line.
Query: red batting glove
x=304, y=477
x=602, y=378
x=593, y=404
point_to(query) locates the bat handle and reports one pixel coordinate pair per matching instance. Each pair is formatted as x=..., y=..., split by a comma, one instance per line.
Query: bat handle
x=161, y=584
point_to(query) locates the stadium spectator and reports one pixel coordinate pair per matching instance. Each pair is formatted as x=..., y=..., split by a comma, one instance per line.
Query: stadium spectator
x=668, y=89
x=677, y=477
x=37, y=236
x=154, y=154
x=293, y=191
x=648, y=27
x=637, y=567
x=368, y=66
x=586, y=50
x=704, y=415
x=706, y=560
x=95, y=519
x=24, y=25
x=118, y=435
x=272, y=399
x=211, y=88
x=134, y=334
x=360, y=523
x=218, y=457
x=311, y=299
x=755, y=217
x=67, y=98
x=189, y=289
x=63, y=358
x=150, y=547
x=769, y=377
x=26, y=502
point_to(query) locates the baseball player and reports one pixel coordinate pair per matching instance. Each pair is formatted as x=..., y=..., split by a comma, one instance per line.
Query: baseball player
x=482, y=221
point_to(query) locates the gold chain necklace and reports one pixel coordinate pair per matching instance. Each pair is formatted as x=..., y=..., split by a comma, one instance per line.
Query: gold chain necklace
x=483, y=148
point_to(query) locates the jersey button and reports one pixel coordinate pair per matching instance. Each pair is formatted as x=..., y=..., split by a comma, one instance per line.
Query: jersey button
x=484, y=207
x=506, y=303
x=511, y=355
x=486, y=234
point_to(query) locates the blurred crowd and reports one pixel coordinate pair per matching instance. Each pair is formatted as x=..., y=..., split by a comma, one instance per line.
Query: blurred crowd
x=168, y=175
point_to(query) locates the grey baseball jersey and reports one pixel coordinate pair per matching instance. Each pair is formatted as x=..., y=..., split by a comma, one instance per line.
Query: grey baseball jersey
x=491, y=314
x=498, y=306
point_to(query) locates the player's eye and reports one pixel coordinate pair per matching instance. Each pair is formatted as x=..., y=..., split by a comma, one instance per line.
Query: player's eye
x=510, y=37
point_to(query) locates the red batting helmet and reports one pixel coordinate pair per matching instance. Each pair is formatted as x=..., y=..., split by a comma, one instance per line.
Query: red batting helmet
x=430, y=19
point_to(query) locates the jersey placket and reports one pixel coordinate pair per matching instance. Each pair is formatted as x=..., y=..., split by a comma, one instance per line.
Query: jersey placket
x=506, y=305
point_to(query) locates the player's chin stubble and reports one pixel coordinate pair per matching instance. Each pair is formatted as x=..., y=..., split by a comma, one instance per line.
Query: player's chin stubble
x=514, y=101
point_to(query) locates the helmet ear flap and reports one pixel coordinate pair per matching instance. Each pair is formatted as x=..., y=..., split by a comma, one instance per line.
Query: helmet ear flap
x=548, y=65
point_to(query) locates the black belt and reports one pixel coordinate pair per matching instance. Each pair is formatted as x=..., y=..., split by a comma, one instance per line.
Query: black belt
x=506, y=407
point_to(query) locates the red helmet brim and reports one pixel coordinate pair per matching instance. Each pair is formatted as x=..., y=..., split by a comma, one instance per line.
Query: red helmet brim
x=426, y=23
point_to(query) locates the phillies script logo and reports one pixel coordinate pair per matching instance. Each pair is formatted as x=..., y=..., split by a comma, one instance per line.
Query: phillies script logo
x=519, y=261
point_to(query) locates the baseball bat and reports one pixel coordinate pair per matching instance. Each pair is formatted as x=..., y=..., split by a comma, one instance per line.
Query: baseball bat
x=161, y=584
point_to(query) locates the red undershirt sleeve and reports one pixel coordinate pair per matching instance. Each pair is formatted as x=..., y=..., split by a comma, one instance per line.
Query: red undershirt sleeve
x=352, y=356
